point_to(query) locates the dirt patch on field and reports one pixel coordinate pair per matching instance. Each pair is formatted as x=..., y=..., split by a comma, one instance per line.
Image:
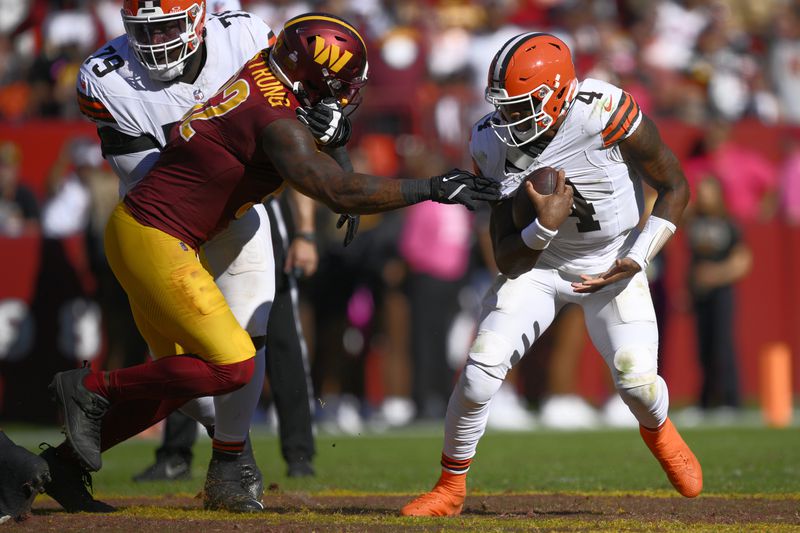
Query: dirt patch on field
x=303, y=512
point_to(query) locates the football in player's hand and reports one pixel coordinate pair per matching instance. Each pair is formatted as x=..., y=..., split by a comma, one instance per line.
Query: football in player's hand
x=544, y=182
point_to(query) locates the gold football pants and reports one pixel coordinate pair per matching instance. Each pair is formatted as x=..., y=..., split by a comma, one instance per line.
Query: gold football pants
x=176, y=304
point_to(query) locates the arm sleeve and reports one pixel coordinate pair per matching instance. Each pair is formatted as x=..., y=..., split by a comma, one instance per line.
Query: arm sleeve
x=90, y=100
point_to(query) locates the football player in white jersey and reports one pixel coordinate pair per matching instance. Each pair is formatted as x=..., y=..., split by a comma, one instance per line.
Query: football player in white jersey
x=135, y=88
x=583, y=247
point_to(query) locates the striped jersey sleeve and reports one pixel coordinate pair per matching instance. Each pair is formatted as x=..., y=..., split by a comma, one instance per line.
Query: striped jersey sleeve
x=94, y=109
x=623, y=121
x=92, y=101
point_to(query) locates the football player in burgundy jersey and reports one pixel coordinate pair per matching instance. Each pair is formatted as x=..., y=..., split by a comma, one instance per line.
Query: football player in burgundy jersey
x=225, y=156
x=135, y=88
x=583, y=247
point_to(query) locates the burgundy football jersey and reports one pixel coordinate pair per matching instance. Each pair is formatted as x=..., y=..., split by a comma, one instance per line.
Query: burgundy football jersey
x=214, y=169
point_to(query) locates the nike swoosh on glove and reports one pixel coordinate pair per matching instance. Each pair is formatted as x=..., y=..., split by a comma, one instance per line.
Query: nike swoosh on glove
x=463, y=187
x=327, y=122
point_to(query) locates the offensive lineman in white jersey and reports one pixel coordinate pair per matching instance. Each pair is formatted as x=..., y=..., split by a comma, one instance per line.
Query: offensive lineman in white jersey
x=582, y=248
x=135, y=88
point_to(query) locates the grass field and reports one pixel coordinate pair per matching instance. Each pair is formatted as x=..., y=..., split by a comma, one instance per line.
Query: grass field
x=585, y=480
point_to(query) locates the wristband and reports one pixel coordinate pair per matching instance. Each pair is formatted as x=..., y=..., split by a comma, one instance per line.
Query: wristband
x=651, y=239
x=415, y=191
x=537, y=237
x=309, y=236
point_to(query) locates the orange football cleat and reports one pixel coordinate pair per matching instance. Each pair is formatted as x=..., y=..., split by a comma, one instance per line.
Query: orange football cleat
x=446, y=498
x=682, y=467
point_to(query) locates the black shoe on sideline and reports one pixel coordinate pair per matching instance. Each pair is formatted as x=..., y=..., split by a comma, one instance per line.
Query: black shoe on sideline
x=300, y=468
x=168, y=467
x=69, y=483
x=23, y=475
x=82, y=412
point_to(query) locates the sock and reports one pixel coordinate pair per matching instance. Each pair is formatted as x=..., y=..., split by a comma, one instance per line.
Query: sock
x=653, y=430
x=177, y=376
x=224, y=449
x=235, y=410
x=455, y=467
x=450, y=481
x=128, y=418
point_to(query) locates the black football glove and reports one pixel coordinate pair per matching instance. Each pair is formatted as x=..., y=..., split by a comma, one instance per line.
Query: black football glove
x=352, y=227
x=326, y=121
x=463, y=187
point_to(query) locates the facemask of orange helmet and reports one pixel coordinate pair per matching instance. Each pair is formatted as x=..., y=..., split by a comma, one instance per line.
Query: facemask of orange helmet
x=164, y=33
x=531, y=84
x=319, y=56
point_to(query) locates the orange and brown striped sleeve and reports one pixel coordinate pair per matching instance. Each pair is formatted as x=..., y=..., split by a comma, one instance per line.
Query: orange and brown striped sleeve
x=622, y=120
x=94, y=109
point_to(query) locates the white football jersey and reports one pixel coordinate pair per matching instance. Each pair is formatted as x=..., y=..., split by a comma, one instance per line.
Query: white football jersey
x=115, y=90
x=608, y=200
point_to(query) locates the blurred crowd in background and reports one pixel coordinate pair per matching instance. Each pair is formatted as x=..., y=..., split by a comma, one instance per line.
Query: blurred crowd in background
x=399, y=305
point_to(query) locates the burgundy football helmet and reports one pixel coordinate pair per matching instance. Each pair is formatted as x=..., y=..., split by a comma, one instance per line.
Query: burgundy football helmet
x=318, y=56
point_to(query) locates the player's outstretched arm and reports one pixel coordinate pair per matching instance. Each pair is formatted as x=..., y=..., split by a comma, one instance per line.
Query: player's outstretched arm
x=294, y=153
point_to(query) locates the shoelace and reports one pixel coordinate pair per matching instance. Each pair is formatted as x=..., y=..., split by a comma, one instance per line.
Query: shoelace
x=86, y=477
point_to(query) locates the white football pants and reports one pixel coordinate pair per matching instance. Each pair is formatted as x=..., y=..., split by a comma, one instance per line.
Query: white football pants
x=622, y=325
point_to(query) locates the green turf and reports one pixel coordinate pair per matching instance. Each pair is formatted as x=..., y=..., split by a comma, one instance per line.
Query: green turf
x=747, y=460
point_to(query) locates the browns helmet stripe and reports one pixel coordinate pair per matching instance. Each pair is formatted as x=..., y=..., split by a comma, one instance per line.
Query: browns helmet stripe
x=503, y=57
x=328, y=18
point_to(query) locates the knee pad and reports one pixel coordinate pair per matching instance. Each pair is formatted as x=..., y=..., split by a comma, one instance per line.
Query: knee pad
x=478, y=385
x=492, y=351
x=635, y=367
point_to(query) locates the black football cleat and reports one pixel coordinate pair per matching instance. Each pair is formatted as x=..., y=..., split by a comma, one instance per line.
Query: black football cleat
x=168, y=467
x=23, y=475
x=233, y=483
x=252, y=479
x=69, y=483
x=300, y=468
x=82, y=412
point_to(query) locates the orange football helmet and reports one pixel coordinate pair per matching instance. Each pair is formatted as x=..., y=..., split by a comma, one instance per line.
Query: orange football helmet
x=531, y=83
x=164, y=33
x=319, y=55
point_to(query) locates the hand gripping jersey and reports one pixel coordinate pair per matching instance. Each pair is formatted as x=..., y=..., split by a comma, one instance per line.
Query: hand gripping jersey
x=215, y=169
x=608, y=200
x=115, y=91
